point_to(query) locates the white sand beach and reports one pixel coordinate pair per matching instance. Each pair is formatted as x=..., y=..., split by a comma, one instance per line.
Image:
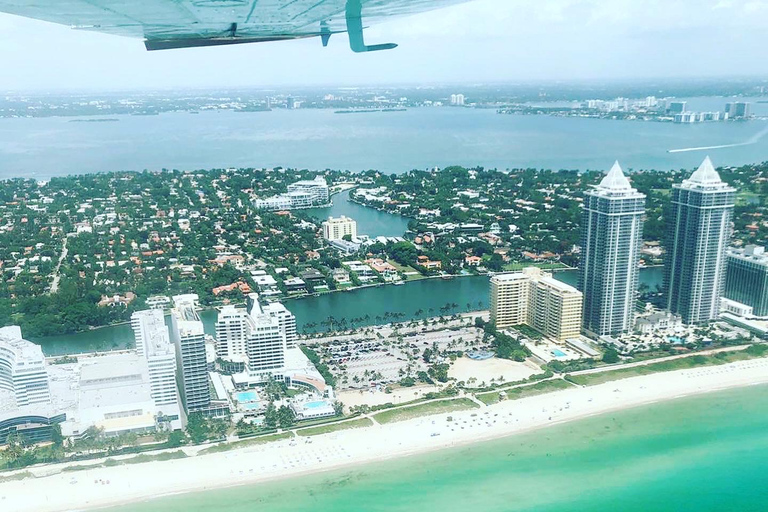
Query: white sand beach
x=88, y=489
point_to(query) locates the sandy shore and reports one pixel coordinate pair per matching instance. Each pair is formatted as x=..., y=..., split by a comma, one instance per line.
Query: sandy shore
x=84, y=489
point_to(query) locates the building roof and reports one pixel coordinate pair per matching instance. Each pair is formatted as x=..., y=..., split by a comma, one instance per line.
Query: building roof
x=705, y=174
x=615, y=179
x=706, y=179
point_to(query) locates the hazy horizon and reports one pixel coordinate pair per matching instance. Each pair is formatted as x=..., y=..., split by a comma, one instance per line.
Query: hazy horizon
x=482, y=41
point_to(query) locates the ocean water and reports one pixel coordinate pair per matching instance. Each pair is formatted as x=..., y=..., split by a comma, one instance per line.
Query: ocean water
x=388, y=141
x=707, y=453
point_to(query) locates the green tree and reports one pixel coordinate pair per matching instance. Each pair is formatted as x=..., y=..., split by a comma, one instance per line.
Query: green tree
x=285, y=417
x=611, y=356
x=270, y=416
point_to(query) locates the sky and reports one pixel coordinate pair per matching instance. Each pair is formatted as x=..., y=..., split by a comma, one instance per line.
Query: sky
x=476, y=42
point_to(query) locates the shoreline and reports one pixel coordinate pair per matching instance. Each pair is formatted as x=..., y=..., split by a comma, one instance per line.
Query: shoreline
x=299, y=456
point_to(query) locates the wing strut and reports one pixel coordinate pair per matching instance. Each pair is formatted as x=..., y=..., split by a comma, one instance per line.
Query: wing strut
x=355, y=30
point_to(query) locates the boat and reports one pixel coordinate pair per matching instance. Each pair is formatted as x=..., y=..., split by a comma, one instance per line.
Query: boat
x=399, y=283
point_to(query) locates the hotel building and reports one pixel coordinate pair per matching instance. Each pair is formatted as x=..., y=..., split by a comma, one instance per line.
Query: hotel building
x=23, y=374
x=258, y=336
x=153, y=344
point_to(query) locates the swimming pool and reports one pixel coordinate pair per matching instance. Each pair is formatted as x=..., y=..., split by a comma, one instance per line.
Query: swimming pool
x=315, y=405
x=558, y=353
x=247, y=396
x=676, y=340
x=250, y=406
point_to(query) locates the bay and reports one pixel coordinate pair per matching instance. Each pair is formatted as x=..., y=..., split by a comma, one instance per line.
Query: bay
x=707, y=453
x=388, y=141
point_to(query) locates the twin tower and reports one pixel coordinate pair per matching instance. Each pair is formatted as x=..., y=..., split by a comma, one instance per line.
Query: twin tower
x=698, y=232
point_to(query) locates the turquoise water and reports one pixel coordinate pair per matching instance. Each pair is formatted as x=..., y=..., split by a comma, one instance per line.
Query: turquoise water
x=246, y=396
x=704, y=454
x=315, y=405
x=558, y=353
x=390, y=142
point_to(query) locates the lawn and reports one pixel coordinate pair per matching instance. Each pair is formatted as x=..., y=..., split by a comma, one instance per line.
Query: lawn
x=334, y=427
x=539, y=388
x=426, y=409
x=697, y=361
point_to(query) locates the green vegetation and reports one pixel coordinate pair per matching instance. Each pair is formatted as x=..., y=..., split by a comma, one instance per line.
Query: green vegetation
x=611, y=356
x=254, y=441
x=506, y=346
x=425, y=409
x=21, y=475
x=335, y=427
x=201, y=429
x=682, y=363
x=540, y=388
x=321, y=367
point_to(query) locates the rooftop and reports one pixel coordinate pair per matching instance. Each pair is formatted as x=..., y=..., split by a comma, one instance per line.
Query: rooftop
x=615, y=179
x=705, y=178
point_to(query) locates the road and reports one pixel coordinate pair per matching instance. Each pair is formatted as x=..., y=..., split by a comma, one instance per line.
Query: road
x=56, y=275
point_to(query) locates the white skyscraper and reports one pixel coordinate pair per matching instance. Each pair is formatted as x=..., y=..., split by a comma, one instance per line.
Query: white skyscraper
x=286, y=320
x=189, y=339
x=232, y=333
x=698, y=232
x=257, y=335
x=611, y=238
x=153, y=343
x=23, y=375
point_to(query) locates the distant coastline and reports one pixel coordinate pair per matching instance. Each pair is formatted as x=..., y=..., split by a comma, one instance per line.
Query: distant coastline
x=98, y=120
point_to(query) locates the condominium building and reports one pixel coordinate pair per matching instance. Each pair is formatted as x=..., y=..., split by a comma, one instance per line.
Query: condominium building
x=338, y=228
x=153, y=344
x=737, y=110
x=189, y=339
x=554, y=308
x=316, y=188
x=509, y=299
x=698, y=232
x=23, y=373
x=535, y=298
x=611, y=239
x=302, y=194
x=746, y=280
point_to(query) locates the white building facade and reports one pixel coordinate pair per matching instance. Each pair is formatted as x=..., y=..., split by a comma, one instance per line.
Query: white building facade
x=188, y=337
x=23, y=374
x=154, y=345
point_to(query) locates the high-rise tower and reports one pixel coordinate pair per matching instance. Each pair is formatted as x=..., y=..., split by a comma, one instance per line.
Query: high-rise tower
x=611, y=239
x=188, y=337
x=698, y=231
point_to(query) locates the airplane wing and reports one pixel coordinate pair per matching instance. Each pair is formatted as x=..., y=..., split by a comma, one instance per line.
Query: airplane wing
x=165, y=24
